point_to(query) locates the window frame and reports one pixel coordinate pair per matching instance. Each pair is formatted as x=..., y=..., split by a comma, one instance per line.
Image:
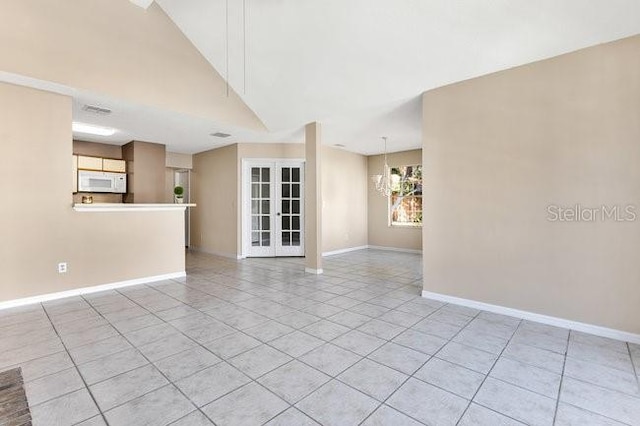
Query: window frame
x=390, y=221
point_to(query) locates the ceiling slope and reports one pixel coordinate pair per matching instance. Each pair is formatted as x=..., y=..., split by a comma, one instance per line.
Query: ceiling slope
x=142, y=3
x=359, y=65
x=114, y=49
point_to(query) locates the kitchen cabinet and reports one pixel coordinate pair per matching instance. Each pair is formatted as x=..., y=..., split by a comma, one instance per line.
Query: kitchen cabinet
x=83, y=162
x=89, y=163
x=118, y=166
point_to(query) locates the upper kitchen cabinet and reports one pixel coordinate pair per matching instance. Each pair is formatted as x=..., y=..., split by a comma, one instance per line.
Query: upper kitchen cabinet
x=101, y=164
x=89, y=163
x=97, y=157
x=117, y=166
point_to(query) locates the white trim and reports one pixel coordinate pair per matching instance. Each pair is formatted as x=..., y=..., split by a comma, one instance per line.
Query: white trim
x=217, y=253
x=597, y=330
x=272, y=160
x=313, y=271
x=123, y=207
x=324, y=254
x=403, y=250
x=34, y=83
x=87, y=290
x=345, y=250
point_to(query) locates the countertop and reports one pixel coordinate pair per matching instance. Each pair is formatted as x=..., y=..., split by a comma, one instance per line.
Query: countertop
x=127, y=207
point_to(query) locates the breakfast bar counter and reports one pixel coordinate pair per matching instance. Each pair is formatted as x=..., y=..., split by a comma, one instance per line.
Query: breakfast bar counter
x=128, y=207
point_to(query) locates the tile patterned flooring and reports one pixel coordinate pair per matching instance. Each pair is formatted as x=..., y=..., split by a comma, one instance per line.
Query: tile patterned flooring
x=259, y=342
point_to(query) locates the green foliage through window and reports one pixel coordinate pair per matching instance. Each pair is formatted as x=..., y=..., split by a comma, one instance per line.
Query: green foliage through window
x=405, y=201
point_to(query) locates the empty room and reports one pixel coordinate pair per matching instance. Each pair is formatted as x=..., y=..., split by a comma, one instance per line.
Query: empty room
x=304, y=212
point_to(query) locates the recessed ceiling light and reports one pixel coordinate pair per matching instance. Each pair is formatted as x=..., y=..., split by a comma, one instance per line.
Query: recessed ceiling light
x=92, y=129
x=220, y=135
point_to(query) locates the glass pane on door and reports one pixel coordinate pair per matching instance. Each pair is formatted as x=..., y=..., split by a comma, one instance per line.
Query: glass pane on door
x=274, y=213
x=260, y=199
x=290, y=206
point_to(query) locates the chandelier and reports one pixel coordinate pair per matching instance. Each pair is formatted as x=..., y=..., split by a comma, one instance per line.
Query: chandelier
x=383, y=181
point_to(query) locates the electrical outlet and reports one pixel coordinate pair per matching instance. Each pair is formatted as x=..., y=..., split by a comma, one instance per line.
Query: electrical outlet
x=62, y=267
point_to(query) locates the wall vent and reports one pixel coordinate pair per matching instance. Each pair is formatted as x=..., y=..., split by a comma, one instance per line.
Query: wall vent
x=220, y=135
x=96, y=110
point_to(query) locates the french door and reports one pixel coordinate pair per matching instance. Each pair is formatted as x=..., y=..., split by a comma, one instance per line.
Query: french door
x=274, y=209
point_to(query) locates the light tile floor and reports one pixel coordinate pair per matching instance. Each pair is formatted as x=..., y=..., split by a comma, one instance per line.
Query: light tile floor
x=259, y=342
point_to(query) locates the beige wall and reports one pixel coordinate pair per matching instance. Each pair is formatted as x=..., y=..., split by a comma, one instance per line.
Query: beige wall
x=41, y=229
x=271, y=150
x=168, y=185
x=179, y=161
x=380, y=233
x=499, y=149
x=344, y=197
x=214, y=188
x=114, y=48
x=145, y=172
x=313, y=200
x=218, y=173
x=93, y=149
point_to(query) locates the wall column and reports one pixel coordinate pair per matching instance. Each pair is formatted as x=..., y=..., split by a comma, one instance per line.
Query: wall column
x=313, y=199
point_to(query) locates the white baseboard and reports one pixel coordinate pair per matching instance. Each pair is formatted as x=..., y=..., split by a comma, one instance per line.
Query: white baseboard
x=87, y=290
x=402, y=250
x=345, y=250
x=313, y=271
x=218, y=253
x=597, y=330
x=325, y=254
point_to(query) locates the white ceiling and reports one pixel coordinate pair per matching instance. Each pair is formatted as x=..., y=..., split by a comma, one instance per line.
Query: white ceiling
x=357, y=66
x=179, y=132
x=142, y=3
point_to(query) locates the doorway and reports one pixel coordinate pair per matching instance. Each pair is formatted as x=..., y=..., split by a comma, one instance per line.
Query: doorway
x=183, y=178
x=274, y=208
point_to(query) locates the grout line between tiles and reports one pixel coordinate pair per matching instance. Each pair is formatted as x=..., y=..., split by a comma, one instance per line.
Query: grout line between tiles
x=471, y=400
x=170, y=382
x=77, y=371
x=270, y=279
x=636, y=368
x=411, y=375
x=564, y=364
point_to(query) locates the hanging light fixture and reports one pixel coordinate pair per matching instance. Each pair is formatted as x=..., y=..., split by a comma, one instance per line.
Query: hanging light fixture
x=383, y=181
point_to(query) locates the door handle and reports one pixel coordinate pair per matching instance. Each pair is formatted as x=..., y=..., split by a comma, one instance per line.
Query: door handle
x=278, y=213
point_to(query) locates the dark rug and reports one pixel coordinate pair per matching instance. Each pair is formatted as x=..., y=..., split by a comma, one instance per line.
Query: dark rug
x=14, y=409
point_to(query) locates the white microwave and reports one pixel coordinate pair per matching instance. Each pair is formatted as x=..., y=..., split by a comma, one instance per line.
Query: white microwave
x=102, y=182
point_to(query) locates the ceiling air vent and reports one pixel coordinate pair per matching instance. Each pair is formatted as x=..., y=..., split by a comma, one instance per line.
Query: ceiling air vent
x=96, y=110
x=220, y=135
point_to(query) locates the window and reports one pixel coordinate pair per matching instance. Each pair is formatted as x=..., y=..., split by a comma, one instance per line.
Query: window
x=405, y=201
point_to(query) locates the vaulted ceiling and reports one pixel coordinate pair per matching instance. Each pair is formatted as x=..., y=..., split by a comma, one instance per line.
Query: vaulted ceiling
x=357, y=66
